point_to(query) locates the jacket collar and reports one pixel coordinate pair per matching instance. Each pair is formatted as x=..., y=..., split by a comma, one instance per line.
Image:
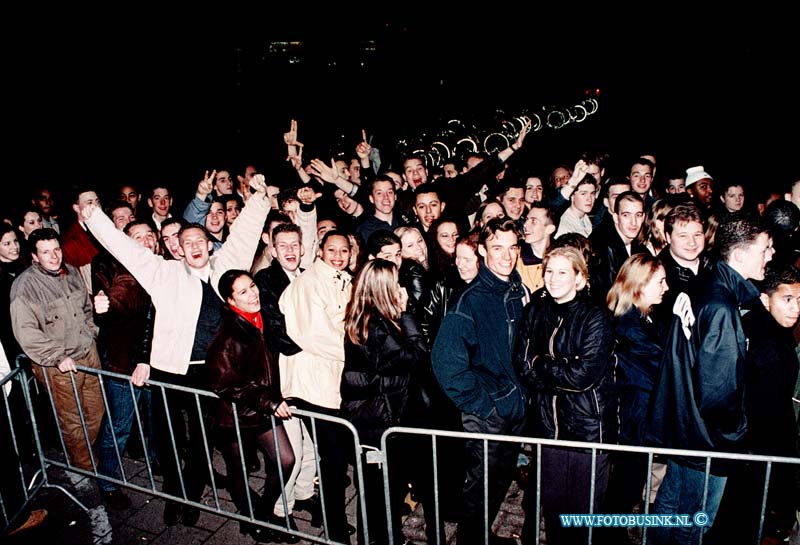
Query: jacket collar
x=742, y=289
x=494, y=283
x=326, y=271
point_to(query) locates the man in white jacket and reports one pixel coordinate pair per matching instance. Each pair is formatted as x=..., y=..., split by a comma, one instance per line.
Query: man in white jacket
x=188, y=311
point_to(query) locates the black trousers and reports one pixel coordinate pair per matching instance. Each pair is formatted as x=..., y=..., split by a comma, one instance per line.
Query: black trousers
x=181, y=413
x=335, y=447
x=501, y=462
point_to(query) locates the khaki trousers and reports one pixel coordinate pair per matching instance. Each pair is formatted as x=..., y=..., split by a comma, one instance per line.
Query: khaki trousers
x=90, y=398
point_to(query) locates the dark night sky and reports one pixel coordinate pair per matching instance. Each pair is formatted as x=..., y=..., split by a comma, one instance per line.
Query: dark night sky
x=133, y=99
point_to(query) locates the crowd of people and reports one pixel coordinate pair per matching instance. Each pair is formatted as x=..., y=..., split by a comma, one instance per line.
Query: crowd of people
x=476, y=296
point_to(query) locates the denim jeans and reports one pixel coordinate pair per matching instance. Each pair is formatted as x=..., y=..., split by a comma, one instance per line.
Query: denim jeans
x=120, y=416
x=681, y=493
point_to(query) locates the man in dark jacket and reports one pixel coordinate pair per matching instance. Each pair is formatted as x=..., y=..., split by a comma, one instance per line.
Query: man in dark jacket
x=472, y=362
x=615, y=246
x=122, y=306
x=699, y=401
x=770, y=375
x=287, y=249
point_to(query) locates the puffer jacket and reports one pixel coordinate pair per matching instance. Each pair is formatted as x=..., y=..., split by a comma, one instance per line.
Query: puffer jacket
x=242, y=371
x=564, y=357
x=378, y=382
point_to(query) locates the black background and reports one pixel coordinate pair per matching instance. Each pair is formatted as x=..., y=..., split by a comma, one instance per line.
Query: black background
x=137, y=96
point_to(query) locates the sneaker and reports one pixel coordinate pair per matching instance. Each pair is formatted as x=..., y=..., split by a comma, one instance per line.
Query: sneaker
x=34, y=520
x=115, y=499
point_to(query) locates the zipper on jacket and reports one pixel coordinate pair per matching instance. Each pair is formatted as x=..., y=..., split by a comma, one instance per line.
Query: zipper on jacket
x=555, y=416
x=553, y=336
x=599, y=416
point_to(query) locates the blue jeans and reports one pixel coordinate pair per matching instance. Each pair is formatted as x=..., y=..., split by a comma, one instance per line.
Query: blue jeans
x=120, y=415
x=681, y=493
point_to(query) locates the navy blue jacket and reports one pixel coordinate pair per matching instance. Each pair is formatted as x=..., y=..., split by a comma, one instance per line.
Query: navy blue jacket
x=472, y=352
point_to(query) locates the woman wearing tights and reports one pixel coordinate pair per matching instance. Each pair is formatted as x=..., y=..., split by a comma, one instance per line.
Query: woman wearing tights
x=243, y=372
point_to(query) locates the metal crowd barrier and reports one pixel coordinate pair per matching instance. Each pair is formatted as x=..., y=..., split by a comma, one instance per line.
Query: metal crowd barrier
x=23, y=471
x=36, y=472
x=58, y=457
x=536, y=449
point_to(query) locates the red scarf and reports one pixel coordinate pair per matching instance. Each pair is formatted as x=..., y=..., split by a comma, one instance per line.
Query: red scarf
x=252, y=317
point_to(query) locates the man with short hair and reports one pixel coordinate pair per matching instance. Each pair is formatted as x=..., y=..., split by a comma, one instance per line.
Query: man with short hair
x=698, y=403
x=131, y=195
x=51, y=316
x=641, y=178
x=160, y=203
x=428, y=206
x=189, y=310
x=512, y=197
x=78, y=246
x=472, y=362
x=684, y=261
x=223, y=183
x=43, y=202
x=770, y=376
x=383, y=196
x=615, y=247
x=537, y=231
x=121, y=213
x=575, y=219
x=287, y=250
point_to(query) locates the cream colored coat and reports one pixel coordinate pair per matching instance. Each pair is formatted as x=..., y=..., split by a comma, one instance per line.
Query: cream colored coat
x=314, y=306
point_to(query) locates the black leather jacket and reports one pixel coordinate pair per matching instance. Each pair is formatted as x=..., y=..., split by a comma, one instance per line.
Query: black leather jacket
x=434, y=304
x=564, y=357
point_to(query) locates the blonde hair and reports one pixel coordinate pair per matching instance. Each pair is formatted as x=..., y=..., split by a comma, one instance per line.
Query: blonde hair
x=374, y=292
x=634, y=275
x=574, y=256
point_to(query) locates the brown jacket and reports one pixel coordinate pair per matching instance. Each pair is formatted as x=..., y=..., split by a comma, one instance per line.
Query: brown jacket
x=51, y=315
x=242, y=371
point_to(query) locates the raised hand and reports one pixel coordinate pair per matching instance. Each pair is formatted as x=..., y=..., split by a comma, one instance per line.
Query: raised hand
x=206, y=185
x=402, y=299
x=363, y=148
x=259, y=183
x=324, y=172
x=296, y=159
x=522, y=134
x=290, y=138
x=307, y=195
